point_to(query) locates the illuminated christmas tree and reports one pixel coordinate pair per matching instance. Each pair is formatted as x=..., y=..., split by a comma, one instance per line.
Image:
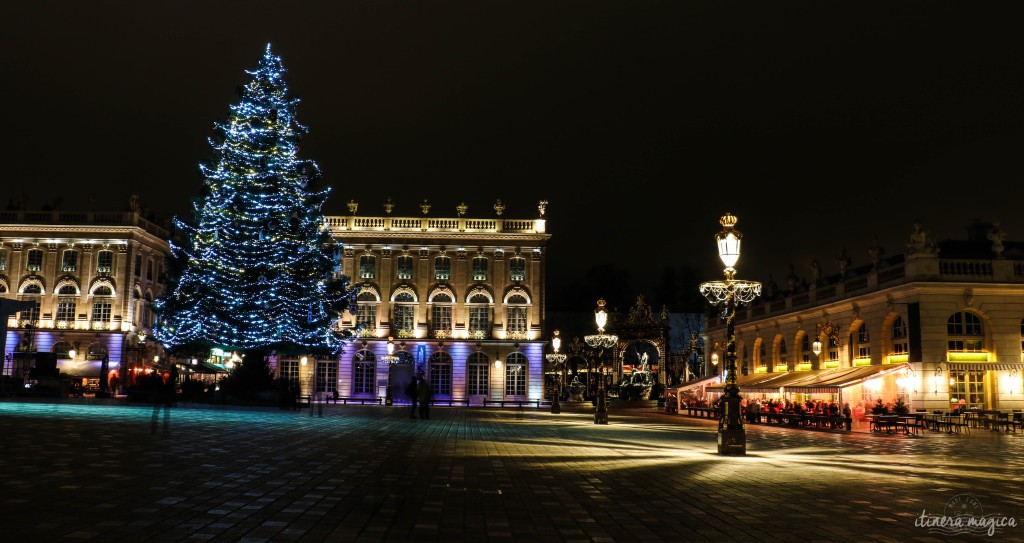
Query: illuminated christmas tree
x=258, y=266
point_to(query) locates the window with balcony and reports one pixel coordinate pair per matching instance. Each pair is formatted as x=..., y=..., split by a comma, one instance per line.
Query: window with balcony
x=782, y=364
x=366, y=307
x=404, y=268
x=480, y=268
x=105, y=262
x=863, y=348
x=441, y=373
x=516, y=314
x=515, y=374
x=34, y=262
x=441, y=315
x=69, y=261
x=442, y=268
x=405, y=310
x=365, y=372
x=805, y=352
x=479, y=316
x=517, y=268
x=965, y=337
x=476, y=374
x=367, y=267
x=66, y=308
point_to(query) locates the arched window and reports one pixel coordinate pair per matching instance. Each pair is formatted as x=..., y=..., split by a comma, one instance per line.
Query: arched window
x=900, y=338
x=403, y=268
x=69, y=261
x=480, y=268
x=62, y=350
x=479, y=316
x=105, y=262
x=101, y=305
x=964, y=333
x=3, y=260
x=31, y=292
x=364, y=374
x=783, y=362
x=96, y=351
x=367, y=267
x=441, y=373
x=805, y=350
x=67, y=305
x=476, y=374
x=517, y=268
x=442, y=268
x=516, y=308
x=863, y=350
x=34, y=262
x=405, y=309
x=515, y=374
x=366, y=316
x=441, y=316
x=762, y=359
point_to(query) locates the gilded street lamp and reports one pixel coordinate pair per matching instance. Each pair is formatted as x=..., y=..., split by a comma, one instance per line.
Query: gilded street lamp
x=390, y=359
x=556, y=359
x=601, y=341
x=732, y=438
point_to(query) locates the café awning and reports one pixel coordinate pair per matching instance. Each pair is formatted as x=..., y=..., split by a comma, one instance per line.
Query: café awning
x=751, y=380
x=834, y=380
x=986, y=366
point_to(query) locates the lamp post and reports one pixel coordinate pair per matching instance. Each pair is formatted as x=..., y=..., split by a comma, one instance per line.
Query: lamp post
x=732, y=292
x=556, y=359
x=390, y=359
x=714, y=363
x=601, y=341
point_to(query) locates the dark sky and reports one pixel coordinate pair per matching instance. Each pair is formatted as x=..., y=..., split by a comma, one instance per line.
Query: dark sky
x=820, y=124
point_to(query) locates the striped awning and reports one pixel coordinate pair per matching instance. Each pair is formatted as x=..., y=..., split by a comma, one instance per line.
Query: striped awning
x=834, y=380
x=986, y=366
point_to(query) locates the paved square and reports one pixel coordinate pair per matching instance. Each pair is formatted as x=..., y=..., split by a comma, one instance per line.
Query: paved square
x=86, y=471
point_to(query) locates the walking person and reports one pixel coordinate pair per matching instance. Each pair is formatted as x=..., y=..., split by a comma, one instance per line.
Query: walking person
x=425, y=394
x=410, y=391
x=165, y=393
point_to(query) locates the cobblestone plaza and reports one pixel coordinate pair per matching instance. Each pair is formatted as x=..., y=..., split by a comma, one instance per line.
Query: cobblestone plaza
x=95, y=472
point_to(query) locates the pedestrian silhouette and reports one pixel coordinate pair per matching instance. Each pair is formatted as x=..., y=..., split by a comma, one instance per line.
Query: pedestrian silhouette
x=424, y=394
x=164, y=395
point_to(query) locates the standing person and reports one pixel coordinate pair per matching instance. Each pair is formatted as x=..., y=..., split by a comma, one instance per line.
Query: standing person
x=425, y=394
x=410, y=391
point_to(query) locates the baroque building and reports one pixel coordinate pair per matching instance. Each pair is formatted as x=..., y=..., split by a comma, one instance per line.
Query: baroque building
x=461, y=298
x=941, y=324
x=89, y=278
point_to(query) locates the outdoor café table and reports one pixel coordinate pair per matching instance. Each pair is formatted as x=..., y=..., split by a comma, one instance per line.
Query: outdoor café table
x=907, y=423
x=880, y=423
x=1000, y=421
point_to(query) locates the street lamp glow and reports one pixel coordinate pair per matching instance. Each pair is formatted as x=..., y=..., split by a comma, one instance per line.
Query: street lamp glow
x=601, y=341
x=730, y=293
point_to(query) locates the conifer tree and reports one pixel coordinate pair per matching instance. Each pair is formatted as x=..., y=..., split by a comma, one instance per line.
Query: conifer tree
x=257, y=269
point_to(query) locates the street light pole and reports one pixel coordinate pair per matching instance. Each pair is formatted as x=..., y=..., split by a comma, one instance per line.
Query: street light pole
x=556, y=360
x=601, y=341
x=732, y=438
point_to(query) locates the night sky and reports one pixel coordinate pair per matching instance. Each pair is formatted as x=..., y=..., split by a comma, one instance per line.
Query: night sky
x=820, y=126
